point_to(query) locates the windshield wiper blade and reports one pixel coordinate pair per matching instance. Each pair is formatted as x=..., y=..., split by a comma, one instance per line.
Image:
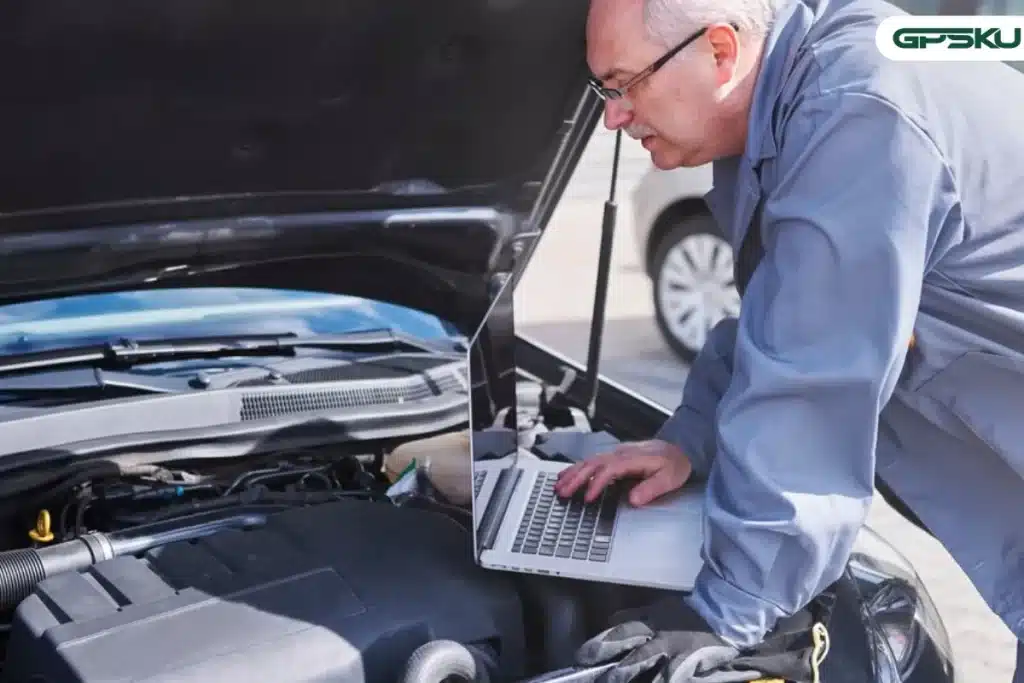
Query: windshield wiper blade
x=86, y=381
x=128, y=352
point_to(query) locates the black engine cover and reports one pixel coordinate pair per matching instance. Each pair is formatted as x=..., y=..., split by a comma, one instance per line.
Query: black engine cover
x=339, y=592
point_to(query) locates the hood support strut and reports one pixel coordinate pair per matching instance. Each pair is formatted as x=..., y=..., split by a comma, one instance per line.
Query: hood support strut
x=604, y=263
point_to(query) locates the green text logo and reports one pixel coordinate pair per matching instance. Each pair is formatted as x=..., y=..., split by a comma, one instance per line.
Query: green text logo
x=993, y=38
x=975, y=38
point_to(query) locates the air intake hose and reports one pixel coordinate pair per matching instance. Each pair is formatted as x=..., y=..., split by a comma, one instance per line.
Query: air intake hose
x=22, y=569
x=438, y=660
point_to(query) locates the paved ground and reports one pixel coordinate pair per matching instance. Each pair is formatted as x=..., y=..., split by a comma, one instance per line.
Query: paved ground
x=554, y=302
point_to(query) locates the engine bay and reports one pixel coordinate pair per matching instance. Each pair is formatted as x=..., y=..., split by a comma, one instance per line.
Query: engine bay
x=345, y=590
x=301, y=566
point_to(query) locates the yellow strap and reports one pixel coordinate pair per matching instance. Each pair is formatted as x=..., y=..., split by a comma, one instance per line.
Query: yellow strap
x=819, y=636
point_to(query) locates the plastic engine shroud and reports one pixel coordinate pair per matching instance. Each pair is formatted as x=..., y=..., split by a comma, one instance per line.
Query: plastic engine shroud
x=343, y=592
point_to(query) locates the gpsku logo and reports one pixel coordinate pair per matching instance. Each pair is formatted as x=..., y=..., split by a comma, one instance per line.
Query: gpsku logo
x=952, y=38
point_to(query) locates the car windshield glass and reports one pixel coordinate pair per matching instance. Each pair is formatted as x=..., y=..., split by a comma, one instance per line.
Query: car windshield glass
x=98, y=319
x=86, y=348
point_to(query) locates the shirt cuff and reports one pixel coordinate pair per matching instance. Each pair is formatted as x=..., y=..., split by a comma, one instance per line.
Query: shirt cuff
x=694, y=434
x=739, y=618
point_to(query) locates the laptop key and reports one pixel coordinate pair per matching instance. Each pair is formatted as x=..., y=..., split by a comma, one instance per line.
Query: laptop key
x=569, y=529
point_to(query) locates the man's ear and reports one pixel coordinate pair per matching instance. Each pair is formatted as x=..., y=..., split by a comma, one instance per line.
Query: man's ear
x=725, y=48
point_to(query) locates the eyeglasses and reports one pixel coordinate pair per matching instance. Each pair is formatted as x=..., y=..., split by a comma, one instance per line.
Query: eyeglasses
x=620, y=92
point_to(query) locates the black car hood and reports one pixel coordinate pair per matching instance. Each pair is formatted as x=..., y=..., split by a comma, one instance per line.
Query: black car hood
x=398, y=149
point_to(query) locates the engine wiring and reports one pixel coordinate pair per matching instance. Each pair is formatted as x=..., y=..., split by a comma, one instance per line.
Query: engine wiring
x=105, y=497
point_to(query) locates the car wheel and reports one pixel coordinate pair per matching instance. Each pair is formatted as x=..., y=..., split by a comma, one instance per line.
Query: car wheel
x=693, y=284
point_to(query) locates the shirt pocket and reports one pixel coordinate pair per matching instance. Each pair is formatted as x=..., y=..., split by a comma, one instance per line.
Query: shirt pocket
x=985, y=391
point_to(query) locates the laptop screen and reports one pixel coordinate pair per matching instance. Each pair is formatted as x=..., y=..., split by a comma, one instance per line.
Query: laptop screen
x=507, y=432
x=494, y=413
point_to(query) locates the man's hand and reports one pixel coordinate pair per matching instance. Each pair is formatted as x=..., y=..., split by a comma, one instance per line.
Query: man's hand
x=662, y=466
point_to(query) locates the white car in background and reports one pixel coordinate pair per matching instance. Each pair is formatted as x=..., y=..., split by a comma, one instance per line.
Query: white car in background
x=687, y=258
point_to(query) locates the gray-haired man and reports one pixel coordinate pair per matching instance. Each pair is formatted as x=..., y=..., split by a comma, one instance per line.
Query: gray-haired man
x=871, y=203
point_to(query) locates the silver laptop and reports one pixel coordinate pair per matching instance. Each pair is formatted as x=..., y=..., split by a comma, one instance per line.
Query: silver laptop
x=521, y=525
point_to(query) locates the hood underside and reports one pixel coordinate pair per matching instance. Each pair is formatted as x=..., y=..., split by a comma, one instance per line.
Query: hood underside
x=124, y=123
x=108, y=101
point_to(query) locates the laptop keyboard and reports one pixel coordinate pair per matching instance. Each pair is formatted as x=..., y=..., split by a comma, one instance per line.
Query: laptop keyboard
x=478, y=482
x=572, y=529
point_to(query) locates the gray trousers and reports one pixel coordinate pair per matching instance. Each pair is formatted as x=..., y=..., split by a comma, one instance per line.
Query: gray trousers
x=1018, y=674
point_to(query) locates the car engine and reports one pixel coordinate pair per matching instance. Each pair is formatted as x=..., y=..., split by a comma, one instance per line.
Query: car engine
x=342, y=591
x=289, y=568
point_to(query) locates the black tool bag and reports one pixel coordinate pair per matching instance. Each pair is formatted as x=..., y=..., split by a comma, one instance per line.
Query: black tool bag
x=795, y=650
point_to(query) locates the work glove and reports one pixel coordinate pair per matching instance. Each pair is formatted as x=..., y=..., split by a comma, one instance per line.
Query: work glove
x=668, y=642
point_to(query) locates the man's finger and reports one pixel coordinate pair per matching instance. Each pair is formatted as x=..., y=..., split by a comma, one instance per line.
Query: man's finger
x=627, y=466
x=569, y=472
x=663, y=481
x=573, y=477
x=607, y=474
x=650, y=488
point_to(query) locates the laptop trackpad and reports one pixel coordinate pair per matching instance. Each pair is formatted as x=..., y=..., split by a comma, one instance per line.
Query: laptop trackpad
x=666, y=523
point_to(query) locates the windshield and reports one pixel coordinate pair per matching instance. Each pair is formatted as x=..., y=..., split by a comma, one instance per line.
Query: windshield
x=199, y=312
x=221, y=372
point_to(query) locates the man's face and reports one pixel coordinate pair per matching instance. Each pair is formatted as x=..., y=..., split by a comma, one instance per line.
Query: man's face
x=677, y=112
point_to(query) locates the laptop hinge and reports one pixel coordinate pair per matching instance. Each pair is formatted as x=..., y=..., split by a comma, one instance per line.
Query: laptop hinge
x=490, y=523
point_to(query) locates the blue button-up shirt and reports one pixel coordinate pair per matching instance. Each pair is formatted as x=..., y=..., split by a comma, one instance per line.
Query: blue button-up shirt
x=890, y=201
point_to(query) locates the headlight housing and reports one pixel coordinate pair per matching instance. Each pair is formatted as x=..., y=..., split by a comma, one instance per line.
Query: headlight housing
x=908, y=638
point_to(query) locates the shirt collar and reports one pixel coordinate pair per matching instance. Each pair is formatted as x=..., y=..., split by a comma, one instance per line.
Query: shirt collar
x=781, y=50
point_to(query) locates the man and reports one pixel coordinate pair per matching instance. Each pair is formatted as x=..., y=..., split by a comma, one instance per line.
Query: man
x=880, y=209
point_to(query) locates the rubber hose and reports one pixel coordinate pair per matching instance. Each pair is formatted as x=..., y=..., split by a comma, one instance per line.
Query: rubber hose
x=22, y=569
x=437, y=660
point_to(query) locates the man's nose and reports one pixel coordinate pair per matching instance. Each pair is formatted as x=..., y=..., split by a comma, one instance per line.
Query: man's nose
x=617, y=114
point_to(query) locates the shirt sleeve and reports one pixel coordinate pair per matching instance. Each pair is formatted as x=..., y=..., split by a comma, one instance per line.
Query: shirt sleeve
x=692, y=425
x=848, y=228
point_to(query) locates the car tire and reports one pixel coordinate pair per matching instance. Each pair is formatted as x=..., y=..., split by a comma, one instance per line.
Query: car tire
x=692, y=283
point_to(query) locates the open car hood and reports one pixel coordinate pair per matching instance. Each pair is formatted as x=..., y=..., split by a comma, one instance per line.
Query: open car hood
x=402, y=150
